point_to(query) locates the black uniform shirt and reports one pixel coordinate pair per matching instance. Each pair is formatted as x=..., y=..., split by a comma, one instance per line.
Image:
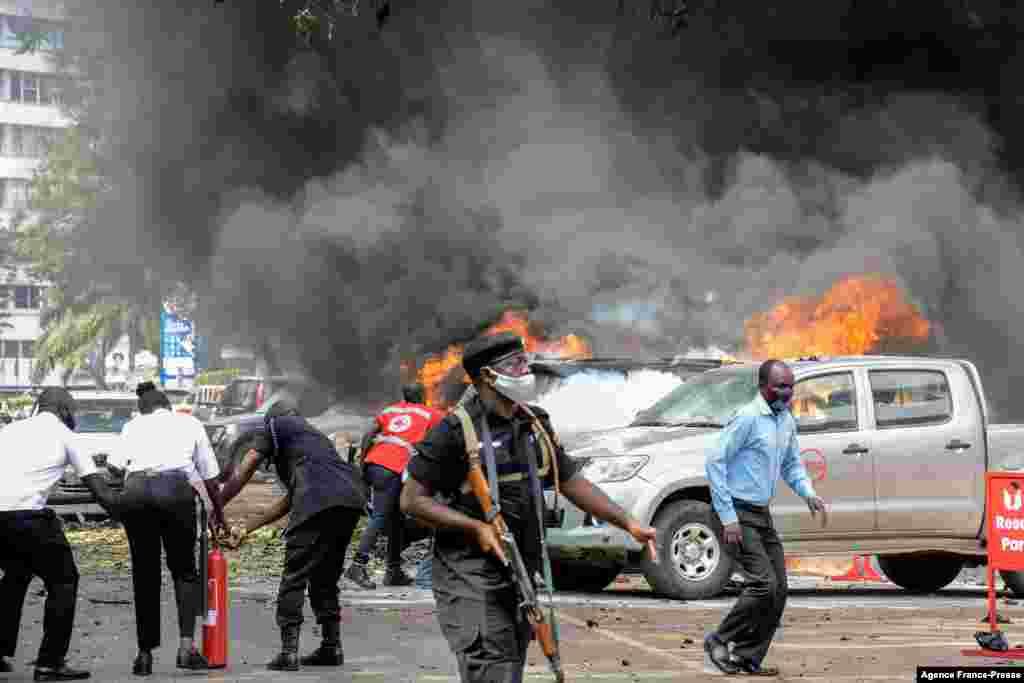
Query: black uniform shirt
x=462, y=568
x=309, y=466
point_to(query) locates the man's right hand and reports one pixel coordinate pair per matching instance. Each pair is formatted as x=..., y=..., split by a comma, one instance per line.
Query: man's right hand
x=732, y=533
x=489, y=541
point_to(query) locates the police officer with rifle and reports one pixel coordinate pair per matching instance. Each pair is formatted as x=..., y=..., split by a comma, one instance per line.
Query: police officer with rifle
x=492, y=457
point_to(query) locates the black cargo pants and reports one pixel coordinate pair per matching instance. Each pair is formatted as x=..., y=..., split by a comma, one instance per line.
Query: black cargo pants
x=314, y=557
x=32, y=543
x=160, y=508
x=753, y=620
x=488, y=639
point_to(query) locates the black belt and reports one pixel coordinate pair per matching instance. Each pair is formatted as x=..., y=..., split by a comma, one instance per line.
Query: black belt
x=27, y=514
x=749, y=507
x=150, y=473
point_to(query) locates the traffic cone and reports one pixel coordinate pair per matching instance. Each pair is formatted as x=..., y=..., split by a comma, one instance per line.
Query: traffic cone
x=862, y=570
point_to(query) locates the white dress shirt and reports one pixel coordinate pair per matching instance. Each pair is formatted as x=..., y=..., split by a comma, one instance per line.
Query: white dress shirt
x=36, y=452
x=166, y=442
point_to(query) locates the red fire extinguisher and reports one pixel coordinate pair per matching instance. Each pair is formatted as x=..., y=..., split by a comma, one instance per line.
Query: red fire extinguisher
x=215, y=627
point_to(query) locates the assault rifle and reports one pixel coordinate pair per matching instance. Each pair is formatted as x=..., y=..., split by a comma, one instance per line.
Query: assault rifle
x=528, y=601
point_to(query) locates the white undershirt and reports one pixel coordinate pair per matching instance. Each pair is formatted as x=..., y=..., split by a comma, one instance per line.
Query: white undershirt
x=35, y=453
x=166, y=442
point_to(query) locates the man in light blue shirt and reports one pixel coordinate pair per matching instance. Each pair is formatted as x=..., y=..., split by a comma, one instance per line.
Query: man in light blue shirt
x=757, y=447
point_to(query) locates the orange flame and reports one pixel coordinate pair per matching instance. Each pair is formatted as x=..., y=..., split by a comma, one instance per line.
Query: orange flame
x=858, y=315
x=436, y=369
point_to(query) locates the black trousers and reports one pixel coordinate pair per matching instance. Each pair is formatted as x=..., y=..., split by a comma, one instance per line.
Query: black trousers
x=486, y=635
x=160, y=510
x=32, y=543
x=386, y=518
x=314, y=557
x=752, y=622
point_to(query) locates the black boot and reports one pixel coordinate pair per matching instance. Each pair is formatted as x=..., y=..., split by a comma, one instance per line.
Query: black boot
x=357, y=574
x=5, y=666
x=143, y=665
x=329, y=653
x=288, y=658
x=396, y=577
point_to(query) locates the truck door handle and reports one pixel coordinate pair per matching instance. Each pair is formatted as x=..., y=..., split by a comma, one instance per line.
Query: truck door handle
x=855, y=449
x=957, y=445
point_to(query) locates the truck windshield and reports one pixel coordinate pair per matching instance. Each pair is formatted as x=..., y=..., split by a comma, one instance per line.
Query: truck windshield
x=707, y=400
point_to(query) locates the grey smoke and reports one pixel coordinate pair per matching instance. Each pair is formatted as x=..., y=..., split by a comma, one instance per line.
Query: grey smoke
x=385, y=203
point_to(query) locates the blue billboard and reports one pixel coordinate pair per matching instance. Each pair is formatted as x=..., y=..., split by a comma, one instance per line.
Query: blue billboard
x=177, y=349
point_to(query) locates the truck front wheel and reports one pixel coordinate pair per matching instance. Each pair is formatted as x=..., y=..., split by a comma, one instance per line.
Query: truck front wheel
x=921, y=572
x=692, y=563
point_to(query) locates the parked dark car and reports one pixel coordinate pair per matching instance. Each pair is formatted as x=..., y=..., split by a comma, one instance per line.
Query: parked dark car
x=101, y=415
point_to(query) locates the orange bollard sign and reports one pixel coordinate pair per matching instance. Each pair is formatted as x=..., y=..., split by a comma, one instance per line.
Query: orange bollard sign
x=1005, y=520
x=1004, y=517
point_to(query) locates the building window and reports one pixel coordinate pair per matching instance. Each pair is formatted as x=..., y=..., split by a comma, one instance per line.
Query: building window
x=11, y=26
x=28, y=349
x=14, y=193
x=26, y=141
x=5, y=297
x=9, y=348
x=31, y=88
x=27, y=296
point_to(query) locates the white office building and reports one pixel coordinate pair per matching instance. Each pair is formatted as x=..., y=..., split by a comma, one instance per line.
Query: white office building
x=30, y=115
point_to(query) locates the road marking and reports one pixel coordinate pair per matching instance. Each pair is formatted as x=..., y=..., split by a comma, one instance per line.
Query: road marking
x=624, y=640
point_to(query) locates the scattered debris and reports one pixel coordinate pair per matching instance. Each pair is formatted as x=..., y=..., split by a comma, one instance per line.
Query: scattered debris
x=688, y=641
x=591, y=623
x=994, y=641
x=625, y=662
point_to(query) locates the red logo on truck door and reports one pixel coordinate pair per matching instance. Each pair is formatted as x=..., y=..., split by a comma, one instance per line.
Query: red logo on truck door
x=1005, y=520
x=814, y=463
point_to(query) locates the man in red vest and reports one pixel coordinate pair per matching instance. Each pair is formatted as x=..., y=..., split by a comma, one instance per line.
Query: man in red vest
x=398, y=428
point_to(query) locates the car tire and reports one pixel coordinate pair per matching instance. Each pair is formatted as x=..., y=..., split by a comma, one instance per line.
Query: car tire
x=692, y=562
x=581, y=577
x=921, y=572
x=1014, y=581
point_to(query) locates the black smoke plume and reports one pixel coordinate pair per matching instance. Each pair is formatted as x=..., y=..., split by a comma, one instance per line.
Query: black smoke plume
x=378, y=191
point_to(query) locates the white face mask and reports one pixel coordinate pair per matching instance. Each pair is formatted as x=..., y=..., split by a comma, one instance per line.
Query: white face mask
x=520, y=389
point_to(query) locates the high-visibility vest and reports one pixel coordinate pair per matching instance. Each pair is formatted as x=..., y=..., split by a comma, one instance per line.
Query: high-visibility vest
x=399, y=428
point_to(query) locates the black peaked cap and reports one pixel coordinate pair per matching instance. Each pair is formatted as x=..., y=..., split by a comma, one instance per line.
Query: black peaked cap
x=485, y=350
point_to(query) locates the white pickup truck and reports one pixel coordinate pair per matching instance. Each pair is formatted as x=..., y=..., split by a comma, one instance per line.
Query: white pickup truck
x=898, y=447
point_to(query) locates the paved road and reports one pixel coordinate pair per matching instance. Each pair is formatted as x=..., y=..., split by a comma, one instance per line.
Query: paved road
x=620, y=635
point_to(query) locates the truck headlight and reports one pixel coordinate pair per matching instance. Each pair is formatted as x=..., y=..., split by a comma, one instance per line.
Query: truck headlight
x=616, y=468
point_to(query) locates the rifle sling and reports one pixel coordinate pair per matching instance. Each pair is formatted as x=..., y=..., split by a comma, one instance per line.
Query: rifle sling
x=487, y=453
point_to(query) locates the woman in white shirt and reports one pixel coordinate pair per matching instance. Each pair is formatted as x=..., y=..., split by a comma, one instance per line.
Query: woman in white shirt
x=165, y=455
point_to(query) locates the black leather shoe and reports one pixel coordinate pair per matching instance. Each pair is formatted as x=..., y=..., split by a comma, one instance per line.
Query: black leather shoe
x=357, y=574
x=718, y=653
x=398, y=578
x=324, y=655
x=191, y=659
x=60, y=673
x=5, y=666
x=284, y=661
x=143, y=665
